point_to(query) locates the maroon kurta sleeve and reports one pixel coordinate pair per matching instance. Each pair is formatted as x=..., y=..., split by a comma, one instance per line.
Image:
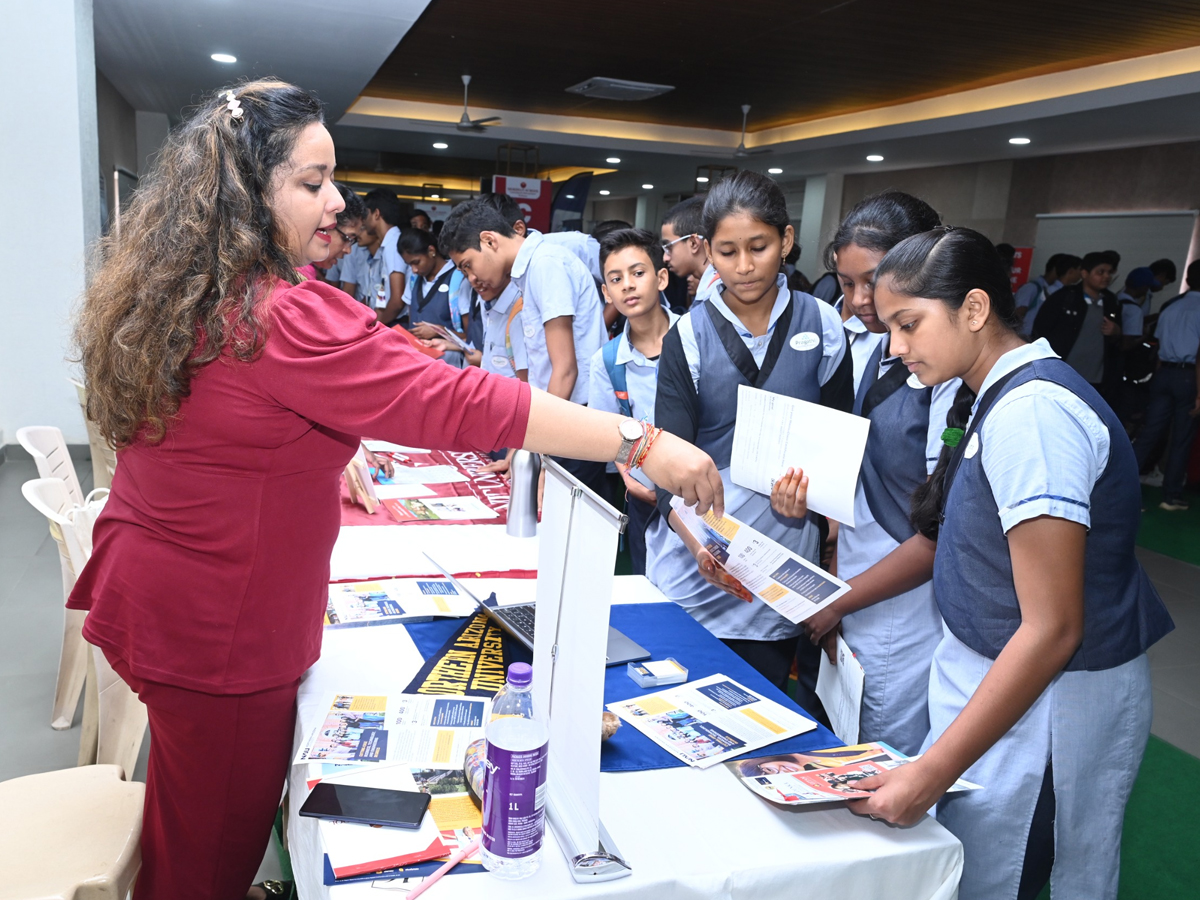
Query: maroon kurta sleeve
x=210, y=564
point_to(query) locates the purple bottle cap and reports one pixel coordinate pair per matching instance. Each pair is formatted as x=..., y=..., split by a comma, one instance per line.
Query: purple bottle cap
x=520, y=674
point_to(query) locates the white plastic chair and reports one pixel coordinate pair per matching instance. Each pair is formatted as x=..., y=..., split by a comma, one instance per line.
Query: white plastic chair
x=114, y=719
x=104, y=458
x=74, y=835
x=46, y=445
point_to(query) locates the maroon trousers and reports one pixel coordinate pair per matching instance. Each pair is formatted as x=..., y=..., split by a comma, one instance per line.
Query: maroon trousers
x=218, y=764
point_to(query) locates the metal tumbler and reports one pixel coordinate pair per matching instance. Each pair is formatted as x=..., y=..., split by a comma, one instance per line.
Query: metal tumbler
x=523, y=493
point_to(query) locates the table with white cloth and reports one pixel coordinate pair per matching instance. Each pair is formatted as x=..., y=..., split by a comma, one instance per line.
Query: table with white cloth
x=687, y=833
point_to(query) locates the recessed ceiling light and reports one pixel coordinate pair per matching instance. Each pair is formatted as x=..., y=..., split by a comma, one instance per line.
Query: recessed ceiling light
x=647, y=187
x=1018, y=140
x=874, y=157
x=440, y=145
x=774, y=171
x=702, y=179
x=604, y=193
x=223, y=58
x=613, y=159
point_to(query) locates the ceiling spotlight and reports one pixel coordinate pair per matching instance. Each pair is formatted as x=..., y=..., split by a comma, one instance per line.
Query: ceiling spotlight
x=1018, y=140
x=604, y=193
x=613, y=159
x=223, y=58
x=440, y=145
x=874, y=157
x=702, y=179
x=647, y=187
x=774, y=171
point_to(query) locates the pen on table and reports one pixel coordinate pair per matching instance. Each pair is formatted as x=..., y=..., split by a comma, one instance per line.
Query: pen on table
x=449, y=864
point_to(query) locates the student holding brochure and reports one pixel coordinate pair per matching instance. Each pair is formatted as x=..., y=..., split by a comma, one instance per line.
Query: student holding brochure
x=752, y=330
x=889, y=618
x=237, y=393
x=1040, y=687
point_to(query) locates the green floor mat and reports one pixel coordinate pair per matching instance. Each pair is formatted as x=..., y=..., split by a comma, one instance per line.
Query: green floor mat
x=1174, y=534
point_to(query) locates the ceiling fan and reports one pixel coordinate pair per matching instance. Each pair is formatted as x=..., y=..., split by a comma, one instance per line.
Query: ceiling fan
x=741, y=150
x=466, y=123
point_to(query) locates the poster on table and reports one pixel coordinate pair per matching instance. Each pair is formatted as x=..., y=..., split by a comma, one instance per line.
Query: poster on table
x=431, y=487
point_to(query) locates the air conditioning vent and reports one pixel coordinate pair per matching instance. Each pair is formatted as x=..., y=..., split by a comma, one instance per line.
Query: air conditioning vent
x=618, y=89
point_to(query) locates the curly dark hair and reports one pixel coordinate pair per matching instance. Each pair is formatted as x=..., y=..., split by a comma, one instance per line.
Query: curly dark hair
x=199, y=251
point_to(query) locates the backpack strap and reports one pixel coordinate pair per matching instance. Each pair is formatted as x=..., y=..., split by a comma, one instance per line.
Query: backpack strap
x=508, y=350
x=456, y=279
x=616, y=374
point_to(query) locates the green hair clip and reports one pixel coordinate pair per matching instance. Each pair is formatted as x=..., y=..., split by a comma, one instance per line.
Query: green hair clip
x=951, y=437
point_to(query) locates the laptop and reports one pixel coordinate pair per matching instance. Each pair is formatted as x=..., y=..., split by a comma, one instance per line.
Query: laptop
x=517, y=620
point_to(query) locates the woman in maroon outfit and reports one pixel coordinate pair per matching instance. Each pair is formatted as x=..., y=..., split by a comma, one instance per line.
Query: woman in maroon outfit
x=236, y=396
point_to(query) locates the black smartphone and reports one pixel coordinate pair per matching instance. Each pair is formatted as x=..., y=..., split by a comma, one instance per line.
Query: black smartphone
x=367, y=805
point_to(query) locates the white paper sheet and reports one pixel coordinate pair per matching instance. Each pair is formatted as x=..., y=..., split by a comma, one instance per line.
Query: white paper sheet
x=389, y=447
x=774, y=433
x=840, y=689
x=368, y=551
x=426, y=475
x=402, y=491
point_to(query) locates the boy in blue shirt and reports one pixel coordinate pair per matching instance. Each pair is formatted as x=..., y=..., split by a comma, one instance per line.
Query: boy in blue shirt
x=624, y=372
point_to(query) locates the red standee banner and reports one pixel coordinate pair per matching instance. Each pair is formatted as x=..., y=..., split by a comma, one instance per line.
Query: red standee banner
x=474, y=500
x=1020, y=267
x=532, y=195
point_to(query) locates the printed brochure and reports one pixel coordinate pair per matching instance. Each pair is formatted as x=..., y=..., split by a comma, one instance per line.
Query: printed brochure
x=394, y=600
x=708, y=721
x=793, y=587
x=821, y=776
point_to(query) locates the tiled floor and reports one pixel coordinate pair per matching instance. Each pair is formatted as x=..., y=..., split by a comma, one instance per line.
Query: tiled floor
x=31, y=631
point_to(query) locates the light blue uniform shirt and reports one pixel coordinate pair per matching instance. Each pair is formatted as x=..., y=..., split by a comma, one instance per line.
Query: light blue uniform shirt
x=555, y=283
x=1133, y=313
x=392, y=260
x=641, y=383
x=585, y=247
x=495, y=321
x=1044, y=448
x=862, y=342
x=1032, y=295
x=1178, y=329
x=351, y=262
x=710, y=282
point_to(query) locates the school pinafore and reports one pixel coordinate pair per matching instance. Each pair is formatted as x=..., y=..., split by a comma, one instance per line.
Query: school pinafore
x=1092, y=722
x=894, y=640
x=431, y=302
x=790, y=368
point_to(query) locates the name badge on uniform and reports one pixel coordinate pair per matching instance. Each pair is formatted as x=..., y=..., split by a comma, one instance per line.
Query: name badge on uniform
x=527, y=326
x=443, y=288
x=914, y=382
x=499, y=362
x=972, y=446
x=805, y=340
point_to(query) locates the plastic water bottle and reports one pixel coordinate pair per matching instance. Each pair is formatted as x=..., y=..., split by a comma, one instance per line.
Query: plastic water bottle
x=514, y=787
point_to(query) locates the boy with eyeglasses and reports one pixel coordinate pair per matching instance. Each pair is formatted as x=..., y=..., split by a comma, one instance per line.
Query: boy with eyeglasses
x=683, y=248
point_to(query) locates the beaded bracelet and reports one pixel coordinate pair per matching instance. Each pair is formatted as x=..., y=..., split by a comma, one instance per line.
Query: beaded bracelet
x=642, y=448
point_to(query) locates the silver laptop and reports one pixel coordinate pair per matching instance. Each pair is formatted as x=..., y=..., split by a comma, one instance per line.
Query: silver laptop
x=517, y=620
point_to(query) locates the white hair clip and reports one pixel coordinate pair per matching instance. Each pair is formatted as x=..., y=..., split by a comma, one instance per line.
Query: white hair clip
x=234, y=106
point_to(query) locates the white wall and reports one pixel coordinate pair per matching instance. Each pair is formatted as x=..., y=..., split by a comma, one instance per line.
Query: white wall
x=48, y=152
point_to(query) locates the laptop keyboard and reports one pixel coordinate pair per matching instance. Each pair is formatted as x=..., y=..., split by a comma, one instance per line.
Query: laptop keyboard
x=521, y=618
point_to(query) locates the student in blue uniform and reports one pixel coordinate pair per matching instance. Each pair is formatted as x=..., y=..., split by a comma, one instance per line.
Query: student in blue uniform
x=625, y=370
x=1040, y=687
x=889, y=619
x=683, y=247
x=753, y=331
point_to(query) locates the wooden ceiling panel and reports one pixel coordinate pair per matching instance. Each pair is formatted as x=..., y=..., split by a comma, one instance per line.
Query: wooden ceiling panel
x=792, y=60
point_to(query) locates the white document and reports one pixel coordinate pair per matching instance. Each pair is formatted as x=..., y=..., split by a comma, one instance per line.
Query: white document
x=708, y=721
x=774, y=433
x=426, y=475
x=389, y=447
x=840, y=690
x=368, y=551
x=790, y=585
x=402, y=491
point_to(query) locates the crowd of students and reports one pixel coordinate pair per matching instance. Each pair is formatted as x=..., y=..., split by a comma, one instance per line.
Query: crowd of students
x=997, y=607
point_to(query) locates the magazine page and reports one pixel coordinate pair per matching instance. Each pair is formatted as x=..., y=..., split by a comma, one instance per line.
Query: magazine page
x=457, y=817
x=708, y=721
x=432, y=509
x=793, y=587
x=354, y=730
x=394, y=600
x=821, y=776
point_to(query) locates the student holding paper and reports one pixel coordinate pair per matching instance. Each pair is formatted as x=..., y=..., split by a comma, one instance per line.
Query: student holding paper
x=751, y=330
x=236, y=393
x=889, y=618
x=1040, y=687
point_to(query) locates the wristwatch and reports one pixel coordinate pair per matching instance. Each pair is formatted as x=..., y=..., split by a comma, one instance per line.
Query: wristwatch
x=631, y=432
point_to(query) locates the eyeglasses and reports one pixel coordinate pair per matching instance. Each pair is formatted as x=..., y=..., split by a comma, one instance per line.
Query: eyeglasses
x=667, y=245
x=350, y=239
